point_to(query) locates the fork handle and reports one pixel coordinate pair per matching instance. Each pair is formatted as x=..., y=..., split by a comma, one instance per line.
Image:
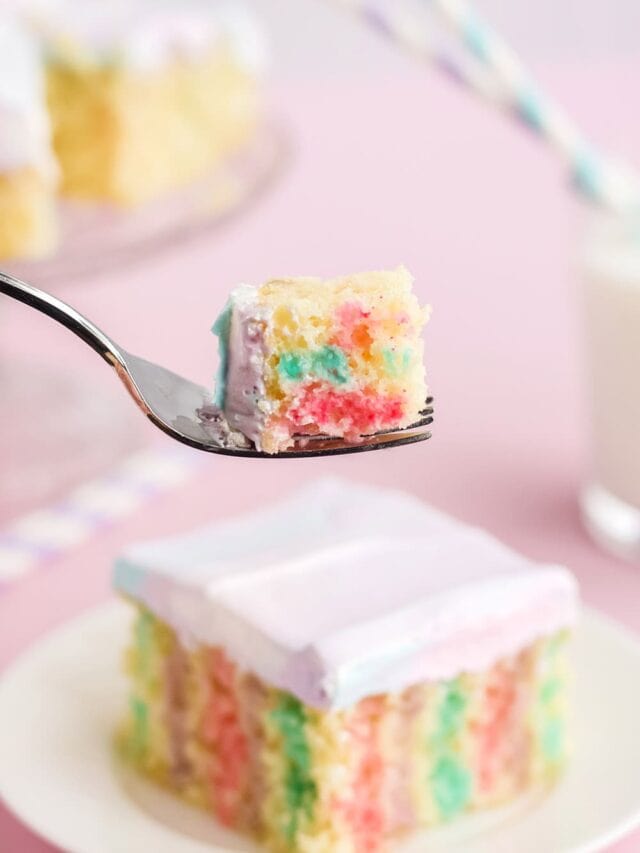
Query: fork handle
x=63, y=314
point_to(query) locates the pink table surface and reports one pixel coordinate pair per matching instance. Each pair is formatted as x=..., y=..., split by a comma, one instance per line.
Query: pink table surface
x=402, y=171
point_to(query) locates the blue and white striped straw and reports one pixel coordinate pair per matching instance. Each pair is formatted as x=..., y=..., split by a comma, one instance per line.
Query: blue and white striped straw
x=485, y=64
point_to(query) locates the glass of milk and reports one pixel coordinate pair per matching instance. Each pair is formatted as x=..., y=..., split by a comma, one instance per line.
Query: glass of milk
x=610, y=502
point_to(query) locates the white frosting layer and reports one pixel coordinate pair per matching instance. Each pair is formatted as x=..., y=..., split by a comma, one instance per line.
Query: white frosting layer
x=24, y=123
x=146, y=34
x=244, y=398
x=346, y=591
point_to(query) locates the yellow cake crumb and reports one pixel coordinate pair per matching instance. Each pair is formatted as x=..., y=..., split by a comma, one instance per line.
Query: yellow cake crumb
x=27, y=214
x=128, y=137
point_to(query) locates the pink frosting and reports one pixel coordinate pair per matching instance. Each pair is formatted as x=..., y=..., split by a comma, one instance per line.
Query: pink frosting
x=346, y=592
x=245, y=392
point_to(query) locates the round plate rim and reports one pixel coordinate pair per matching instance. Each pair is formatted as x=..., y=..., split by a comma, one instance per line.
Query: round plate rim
x=591, y=620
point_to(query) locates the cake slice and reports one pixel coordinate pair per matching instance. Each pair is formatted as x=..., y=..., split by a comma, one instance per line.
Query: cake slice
x=342, y=357
x=145, y=96
x=343, y=668
x=27, y=169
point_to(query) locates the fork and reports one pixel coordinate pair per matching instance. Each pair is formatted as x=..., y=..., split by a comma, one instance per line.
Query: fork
x=184, y=410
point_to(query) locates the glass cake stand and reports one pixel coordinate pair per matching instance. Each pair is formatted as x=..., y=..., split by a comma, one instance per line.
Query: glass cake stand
x=57, y=432
x=96, y=238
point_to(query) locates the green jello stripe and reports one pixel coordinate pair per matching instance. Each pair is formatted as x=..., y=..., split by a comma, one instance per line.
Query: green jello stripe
x=451, y=712
x=451, y=783
x=300, y=789
x=550, y=724
x=140, y=734
x=144, y=642
x=390, y=361
x=292, y=365
x=394, y=363
x=552, y=739
x=549, y=690
x=450, y=780
x=555, y=644
x=330, y=363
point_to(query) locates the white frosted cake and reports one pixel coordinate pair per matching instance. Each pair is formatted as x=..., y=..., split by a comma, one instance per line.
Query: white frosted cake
x=348, y=665
x=27, y=170
x=122, y=102
x=147, y=95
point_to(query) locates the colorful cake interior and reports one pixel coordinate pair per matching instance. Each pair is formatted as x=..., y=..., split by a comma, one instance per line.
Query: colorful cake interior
x=343, y=668
x=341, y=357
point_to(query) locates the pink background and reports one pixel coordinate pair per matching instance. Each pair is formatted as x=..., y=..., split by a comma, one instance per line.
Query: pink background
x=405, y=171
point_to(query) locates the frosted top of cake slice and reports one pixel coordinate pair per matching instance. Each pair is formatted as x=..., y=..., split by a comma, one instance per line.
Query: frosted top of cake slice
x=346, y=591
x=24, y=123
x=147, y=34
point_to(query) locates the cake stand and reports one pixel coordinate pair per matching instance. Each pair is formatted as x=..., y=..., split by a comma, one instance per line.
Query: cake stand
x=97, y=238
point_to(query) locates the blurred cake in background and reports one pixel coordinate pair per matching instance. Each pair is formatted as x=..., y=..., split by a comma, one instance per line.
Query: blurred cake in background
x=27, y=167
x=146, y=96
x=126, y=101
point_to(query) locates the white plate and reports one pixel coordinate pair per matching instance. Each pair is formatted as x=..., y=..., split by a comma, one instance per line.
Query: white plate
x=60, y=701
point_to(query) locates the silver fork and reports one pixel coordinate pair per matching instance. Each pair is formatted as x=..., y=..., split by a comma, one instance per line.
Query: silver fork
x=184, y=410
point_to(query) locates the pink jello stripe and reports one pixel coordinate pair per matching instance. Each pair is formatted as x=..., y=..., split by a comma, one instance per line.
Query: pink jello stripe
x=499, y=701
x=222, y=730
x=350, y=413
x=363, y=811
x=253, y=707
x=355, y=326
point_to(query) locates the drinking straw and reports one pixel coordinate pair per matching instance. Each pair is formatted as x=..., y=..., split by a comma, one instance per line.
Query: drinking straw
x=482, y=61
